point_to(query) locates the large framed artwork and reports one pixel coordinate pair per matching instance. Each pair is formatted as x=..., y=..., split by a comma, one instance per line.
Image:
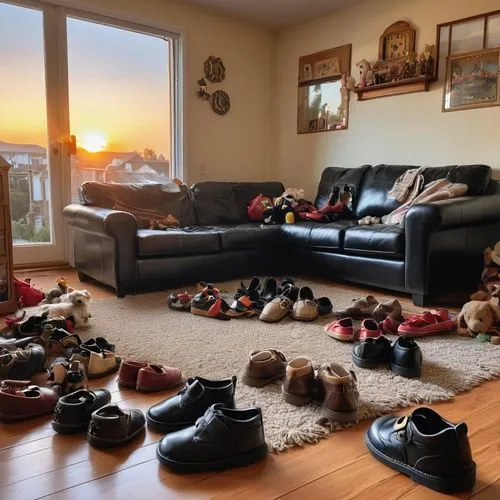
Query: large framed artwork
x=472, y=80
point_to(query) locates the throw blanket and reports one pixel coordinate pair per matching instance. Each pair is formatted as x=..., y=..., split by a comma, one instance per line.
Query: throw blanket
x=442, y=189
x=408, y=185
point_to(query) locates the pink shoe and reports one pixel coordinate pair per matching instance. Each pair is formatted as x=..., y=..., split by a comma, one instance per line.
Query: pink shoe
x=427, y=323
x=390, y=326
x=342, y=329
x=369, y=329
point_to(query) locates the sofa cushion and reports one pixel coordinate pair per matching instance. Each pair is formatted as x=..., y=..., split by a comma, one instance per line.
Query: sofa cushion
x=249, y=235
x=378, y=240
x=159, y=199
x=328, y=237
x=186, y=241
x=226, y=202
x=339, y=177
x=378, y=181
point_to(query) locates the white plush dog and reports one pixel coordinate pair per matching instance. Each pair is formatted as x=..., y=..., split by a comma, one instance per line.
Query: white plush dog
x=76, y=304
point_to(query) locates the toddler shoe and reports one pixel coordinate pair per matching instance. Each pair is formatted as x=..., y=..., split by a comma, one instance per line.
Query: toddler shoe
x=427, y=323
x=372, y=351
x=360, y=308
x=390, y=308
x=280, y=306
x=369, y=328
x=179, y=302
x=264, y=367
x=210, y=306
x=342, y=329
x=305, y=308
x=102, y=363
x=147, y=377
x=406, y=358
x=298, y=388
x=21, y=364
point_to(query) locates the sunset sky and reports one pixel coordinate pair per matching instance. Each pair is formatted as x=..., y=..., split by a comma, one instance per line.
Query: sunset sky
x=118, y=82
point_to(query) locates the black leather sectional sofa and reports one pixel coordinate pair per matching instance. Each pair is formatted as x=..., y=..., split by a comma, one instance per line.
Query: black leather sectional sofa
x=439, y=249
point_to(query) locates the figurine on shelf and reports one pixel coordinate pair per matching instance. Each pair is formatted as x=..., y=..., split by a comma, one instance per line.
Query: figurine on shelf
x=202, y=91
x=385, y=72
x=410, y=68
x=365, y=73
x=426, y=61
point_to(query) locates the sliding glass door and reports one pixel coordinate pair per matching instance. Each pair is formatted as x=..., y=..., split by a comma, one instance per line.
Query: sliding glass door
x=84, y=97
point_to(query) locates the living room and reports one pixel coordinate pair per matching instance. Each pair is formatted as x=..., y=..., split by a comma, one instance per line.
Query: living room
x=203, y=202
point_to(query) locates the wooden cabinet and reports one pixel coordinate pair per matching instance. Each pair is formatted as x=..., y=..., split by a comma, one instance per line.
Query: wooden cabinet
x=7, y=294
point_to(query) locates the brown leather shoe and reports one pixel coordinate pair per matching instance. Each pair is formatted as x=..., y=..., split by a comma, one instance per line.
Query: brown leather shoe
x=280, y=306
x=264, y=367
x=128, y=373
x=298, y=386
x=19, y=400
x=337, y=387
x=154, y=378
x=359, y=308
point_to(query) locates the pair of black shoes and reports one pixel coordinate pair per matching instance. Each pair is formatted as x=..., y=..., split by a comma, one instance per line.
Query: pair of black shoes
x=404, y=356
x=261, y=295
x=205, y=431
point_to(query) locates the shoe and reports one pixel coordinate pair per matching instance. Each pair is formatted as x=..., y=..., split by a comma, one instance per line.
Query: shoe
x=31, y=326
x=221, y=439
x=210, y=306
x=389, y=325
x=269, y=291
x=360, y=308
x=338, y=390
x=305, y=308
x=264, y=367
x=99, y=342
x=426, y=447
x=252, y=292
x=19, y=400
x=179, y=302
x=427, y=323
x=191, y=403
x=369, y=329
x=286, y=282
x=372, y=351
x=325, y=306
x=111, y=426
x=59, y=342
x=153, y=378
x=242, y=306
x=342, y=329
x=406, y=358
x=391, y=308
x=21, y=364
x=73, y=412
x=280, y=306
x=12, y=343
x=101, y=364
x=128, y=373
x=210, y=288
x=299, y=384
x=66, y=377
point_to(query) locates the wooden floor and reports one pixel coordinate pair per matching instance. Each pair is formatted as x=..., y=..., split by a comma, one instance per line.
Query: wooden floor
x=37, y=463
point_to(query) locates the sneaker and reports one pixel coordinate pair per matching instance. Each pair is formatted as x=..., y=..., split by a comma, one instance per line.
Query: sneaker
x=342, y=329
x=369, y=329
x=427, y=323
x=299, y=384
x=426, y=447
x=264, y=367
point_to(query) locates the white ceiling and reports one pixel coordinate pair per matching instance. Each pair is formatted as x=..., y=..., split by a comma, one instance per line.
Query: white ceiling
x=273, y=13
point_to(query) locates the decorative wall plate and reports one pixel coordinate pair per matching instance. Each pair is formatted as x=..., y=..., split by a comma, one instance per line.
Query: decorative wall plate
x=214, y=69
x=220, y=102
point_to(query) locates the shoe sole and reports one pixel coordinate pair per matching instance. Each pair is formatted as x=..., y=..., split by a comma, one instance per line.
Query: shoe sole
x=98, y=442
x=166, y=428
x=69, y=428
x=403, y=371
x=295, y=400
x=367, y=363
x=261, y=382
x=340, y=416
x=206, y=314
x=339, y=336
x=268, y=319
x=419, y=334
x=449, y=484
x=241, y=460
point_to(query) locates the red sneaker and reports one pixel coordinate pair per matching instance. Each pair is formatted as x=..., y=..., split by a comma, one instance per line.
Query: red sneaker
x=369, y=329
x=427, y=323
x=342, y=329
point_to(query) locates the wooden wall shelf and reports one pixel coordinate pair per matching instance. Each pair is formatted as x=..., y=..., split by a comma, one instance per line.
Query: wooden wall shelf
x=408, y=86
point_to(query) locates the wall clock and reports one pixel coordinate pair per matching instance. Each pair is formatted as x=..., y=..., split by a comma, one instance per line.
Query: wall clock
x=396, y=41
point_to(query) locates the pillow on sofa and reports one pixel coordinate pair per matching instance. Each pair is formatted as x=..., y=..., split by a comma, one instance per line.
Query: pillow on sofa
x=151, y=201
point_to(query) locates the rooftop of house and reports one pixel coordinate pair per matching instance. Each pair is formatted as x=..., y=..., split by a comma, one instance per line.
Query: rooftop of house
x=8, y=147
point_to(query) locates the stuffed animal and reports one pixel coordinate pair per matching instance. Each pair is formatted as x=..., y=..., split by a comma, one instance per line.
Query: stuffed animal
x=490, y=277
x=54, y=295
x=480, y=319
x=365, y=73
x=282, y=205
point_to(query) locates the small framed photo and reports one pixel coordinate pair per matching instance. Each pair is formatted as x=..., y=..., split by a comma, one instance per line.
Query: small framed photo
x=308, y=72
x=327, y=67
x=472, y=80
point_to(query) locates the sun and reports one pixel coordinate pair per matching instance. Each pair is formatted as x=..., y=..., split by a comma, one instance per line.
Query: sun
x=93, y=141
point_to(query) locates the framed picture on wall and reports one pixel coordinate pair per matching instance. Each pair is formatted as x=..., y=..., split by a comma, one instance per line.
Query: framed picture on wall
x=472, y=80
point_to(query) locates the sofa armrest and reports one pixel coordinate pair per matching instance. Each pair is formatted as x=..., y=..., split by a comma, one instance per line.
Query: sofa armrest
x=423, y=220
x=101, y=220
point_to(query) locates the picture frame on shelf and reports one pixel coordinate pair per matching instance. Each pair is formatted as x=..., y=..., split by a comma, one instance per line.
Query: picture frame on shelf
x=472, y=80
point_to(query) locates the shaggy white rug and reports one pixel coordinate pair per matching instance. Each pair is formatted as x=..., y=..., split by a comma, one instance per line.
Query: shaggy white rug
x=143, y=328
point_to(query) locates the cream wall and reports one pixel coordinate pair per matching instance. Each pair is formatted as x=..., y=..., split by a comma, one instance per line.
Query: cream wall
x=231, y=147
x=409, y=129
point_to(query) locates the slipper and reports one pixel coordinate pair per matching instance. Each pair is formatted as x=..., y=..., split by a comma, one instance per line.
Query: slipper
x=342, y=329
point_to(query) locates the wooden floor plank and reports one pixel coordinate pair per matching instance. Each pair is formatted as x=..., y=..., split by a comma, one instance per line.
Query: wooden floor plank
x=35, y=462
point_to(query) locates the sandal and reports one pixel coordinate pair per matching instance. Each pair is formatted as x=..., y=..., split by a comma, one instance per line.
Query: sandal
x=210, y=306
x=179, y=302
